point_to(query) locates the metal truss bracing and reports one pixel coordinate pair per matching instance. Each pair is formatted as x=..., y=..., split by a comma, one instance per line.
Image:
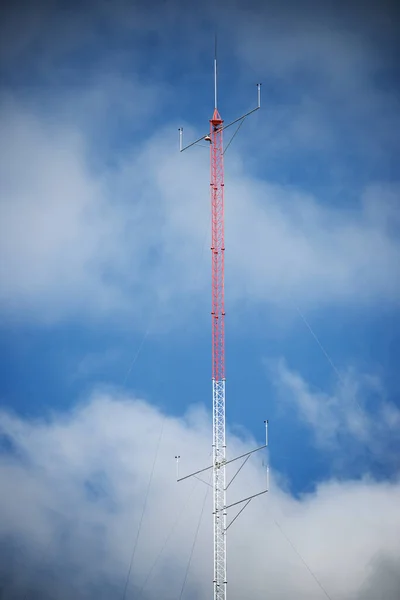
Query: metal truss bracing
x=218, y=354
x=217, y=247
x=219, y=488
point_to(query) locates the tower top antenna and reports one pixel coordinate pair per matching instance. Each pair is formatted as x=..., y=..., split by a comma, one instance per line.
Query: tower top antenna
x=215, y=71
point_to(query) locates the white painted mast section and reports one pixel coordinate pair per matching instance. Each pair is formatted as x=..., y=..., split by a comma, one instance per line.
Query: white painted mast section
x=219, y=490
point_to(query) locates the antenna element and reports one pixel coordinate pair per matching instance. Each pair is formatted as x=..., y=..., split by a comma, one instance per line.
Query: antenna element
x=215, y=73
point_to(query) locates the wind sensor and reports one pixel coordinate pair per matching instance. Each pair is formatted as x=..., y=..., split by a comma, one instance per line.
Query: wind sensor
x=219, y=460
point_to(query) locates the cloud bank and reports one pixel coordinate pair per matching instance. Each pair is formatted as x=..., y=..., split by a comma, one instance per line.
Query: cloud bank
x=76, y=240
x=76, y=486
x=101, y=215
x=355, y=422
x=101, y=218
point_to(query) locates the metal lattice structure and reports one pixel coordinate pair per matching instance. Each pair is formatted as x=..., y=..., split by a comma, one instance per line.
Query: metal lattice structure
x=220, y=508
x=218, y=352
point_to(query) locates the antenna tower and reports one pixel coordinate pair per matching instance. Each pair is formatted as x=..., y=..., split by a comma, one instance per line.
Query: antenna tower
x=219, y=461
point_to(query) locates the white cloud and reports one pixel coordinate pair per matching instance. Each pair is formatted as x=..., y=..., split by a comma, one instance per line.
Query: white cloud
x=73, y=239
x=84, y=232
x=328, y=95
x=304, y=251
x=82, y=240
x=355, y=415
x=54, y=222
x=75, y=486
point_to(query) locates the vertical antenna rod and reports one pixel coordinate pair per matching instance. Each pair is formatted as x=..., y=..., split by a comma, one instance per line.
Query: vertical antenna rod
x=215, y=72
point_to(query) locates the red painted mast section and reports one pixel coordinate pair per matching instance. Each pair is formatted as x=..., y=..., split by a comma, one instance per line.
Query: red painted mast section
x=217, y=247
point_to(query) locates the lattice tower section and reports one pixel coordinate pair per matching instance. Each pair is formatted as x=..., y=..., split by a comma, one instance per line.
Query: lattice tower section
x=218, y=354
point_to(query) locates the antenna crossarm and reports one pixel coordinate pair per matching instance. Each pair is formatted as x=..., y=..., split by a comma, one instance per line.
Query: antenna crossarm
x=193, y=143
x=246, y=454
x=239, y=118
x=226, y=463
x=247, y=501
x=248, y=498
x=200, y=139
x=195, y=473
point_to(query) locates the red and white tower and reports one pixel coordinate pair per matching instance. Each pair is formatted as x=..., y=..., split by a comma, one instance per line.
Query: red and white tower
x=218, y=347
x=215, y=139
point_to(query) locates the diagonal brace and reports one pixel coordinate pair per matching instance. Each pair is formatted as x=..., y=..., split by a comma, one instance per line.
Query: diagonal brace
x=239, y=469
x=245, y=499
x=240, y=511
x=226, y=463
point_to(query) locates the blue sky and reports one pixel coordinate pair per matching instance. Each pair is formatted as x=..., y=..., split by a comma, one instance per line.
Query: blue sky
x=105, y=281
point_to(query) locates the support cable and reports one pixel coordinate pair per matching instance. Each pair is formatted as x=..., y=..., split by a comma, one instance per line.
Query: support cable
x=368, y=448
x=369, y=451
x=143, y=511
x=193, y=545
x=329, y=359
x=138, y=351
x=313, y=575
x=174, y=525
x=310, y=329
x=152, y=319
x=296, y=551
x=157, y=451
